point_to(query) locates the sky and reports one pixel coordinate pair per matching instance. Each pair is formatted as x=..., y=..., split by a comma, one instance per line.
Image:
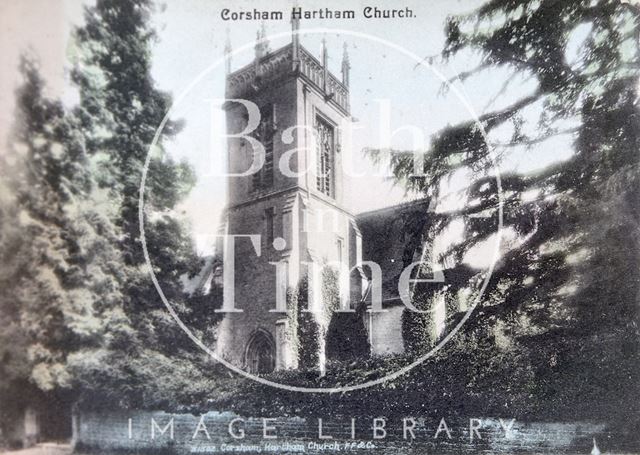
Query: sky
x=384, y=56
x=379, y=74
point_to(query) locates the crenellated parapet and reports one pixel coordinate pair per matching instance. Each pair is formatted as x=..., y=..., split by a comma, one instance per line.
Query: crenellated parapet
x=288, y=61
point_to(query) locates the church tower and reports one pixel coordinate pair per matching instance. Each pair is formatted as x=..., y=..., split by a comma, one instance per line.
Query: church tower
x=293, y=202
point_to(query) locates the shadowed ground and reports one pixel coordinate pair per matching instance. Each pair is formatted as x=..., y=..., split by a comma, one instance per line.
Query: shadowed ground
x=43, y=449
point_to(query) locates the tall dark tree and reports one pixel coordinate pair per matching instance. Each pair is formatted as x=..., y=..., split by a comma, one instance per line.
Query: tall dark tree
x=77, y=295
x=120, y=111
x=568, y=289
x=61, y=289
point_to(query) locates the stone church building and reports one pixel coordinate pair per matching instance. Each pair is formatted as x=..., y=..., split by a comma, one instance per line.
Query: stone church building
x=301, y=218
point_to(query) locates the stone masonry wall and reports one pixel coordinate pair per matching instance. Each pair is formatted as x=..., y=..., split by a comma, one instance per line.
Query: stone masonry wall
x=151, y=432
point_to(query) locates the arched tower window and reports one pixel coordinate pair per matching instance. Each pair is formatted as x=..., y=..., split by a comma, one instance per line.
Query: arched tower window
x=260, y=357
x=325, y=143
x=265, y=132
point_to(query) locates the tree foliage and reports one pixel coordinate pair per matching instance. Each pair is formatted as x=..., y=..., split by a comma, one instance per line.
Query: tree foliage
x=77, y=296
x=60, y=276
x=571, y=274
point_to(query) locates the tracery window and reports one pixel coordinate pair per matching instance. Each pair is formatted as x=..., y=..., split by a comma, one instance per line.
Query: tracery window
x=265, y=133
x=325, y=145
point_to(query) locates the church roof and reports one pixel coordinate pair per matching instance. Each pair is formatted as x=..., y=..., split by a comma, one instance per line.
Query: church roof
x=392, y=237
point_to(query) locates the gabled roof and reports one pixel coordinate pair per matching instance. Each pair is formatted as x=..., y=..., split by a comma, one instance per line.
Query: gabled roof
x=392, y=237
